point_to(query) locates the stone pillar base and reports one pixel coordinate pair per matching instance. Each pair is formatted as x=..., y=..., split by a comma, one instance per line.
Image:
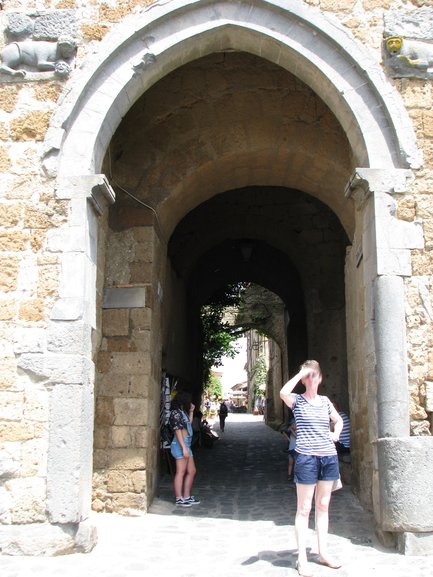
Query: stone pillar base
x=45, y=539
x=405, y=489
x=407, y=543
x=415, y=543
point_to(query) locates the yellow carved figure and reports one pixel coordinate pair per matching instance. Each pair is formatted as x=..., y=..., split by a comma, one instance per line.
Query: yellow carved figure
x=394, y=44
x=412, y=52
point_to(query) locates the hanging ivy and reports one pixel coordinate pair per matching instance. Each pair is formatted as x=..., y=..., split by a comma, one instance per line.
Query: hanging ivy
x=260, y=373
x=219, y=337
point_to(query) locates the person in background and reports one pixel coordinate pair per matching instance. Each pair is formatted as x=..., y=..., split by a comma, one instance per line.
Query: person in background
x=180, y=420
x=196, y=427
x=343, y=444
x=316, y=465
x=207, y=406
x=290, y=434
x=292, y=448
x=223, y=412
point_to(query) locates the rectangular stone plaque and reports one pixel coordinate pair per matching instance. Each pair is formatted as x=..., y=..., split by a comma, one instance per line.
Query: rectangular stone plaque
x=124, y=298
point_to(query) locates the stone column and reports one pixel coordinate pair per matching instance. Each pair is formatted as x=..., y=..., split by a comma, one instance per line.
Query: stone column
x=400, y=475
x=384, y=244
x=60, y=360
x=73, y=318
x=391, y=358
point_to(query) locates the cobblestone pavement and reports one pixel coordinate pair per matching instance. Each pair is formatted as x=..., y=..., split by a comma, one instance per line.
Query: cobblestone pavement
x=243, y=526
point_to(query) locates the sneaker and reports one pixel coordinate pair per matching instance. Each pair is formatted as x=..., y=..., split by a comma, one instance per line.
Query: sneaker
x=192, y=500
x=183, y=502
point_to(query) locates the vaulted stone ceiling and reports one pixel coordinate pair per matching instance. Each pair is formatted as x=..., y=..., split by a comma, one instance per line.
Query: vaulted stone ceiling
x=231, y=152
x=224, y=122
x=272, y=236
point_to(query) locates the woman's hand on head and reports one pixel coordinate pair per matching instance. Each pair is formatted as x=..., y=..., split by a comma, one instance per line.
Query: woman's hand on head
x=305, y=372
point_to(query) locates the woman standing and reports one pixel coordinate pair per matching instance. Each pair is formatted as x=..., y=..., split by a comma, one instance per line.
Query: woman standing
x=316, y=464
x=181, y=415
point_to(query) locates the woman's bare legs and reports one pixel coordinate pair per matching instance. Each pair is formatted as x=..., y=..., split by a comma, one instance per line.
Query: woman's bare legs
x=323, y=498
x=181, y=466
x=304, y=500
x=189, y=477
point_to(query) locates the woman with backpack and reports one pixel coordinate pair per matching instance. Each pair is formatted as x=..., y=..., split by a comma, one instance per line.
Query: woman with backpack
x=180, y=420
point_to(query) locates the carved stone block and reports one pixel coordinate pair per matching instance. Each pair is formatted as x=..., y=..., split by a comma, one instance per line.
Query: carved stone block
x=417, y=24
x=41, y=42
x=41, y=25
x=408, y=58
x=408, y=44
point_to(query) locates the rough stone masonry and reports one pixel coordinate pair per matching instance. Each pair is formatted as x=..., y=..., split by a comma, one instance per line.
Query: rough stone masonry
x=81, y=366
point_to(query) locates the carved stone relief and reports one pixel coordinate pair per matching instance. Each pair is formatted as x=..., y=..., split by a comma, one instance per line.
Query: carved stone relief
x=408, y=43
x=38, y=43
x=409, y=58
x=147, y=58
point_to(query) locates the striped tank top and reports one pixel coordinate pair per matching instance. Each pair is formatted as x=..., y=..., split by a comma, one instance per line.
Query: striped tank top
x=345, y=433
x=312, y=426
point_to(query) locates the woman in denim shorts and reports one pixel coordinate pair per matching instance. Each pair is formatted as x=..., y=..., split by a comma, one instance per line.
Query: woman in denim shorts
x=316, y=465
x=180, y=420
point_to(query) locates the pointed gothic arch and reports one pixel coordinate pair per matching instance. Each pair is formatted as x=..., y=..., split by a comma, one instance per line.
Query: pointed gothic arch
x=311, y=45
x=147, y=46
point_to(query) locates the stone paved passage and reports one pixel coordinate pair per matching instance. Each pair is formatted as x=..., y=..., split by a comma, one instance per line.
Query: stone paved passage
x=242, y=528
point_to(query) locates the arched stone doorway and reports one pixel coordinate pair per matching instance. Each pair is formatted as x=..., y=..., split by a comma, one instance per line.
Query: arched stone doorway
x=269, y=236
x=374, y=143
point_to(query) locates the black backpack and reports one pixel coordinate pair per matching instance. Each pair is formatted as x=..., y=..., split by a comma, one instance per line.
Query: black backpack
x=167, y=434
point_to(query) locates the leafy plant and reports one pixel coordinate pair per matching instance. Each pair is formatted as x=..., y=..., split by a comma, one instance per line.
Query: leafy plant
x=260, y=375
x=219, y=336
x=214, y=387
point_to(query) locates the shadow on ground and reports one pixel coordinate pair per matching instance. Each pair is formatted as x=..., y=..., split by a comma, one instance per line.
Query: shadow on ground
x=244, y=477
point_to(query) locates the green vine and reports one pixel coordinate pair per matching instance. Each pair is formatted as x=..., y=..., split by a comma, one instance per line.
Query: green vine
x=260, y=373
x=219, y=337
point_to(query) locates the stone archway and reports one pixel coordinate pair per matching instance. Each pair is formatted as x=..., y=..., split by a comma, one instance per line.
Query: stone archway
x=319, y=53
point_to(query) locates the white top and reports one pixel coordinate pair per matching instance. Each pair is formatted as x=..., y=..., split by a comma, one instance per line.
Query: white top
x=312, y=426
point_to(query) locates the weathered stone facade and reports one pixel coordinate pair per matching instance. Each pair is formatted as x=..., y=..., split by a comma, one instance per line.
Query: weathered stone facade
x=163, y=107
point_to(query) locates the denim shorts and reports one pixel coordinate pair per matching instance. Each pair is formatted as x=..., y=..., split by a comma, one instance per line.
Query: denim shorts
x=311, y=468
x=176, y=449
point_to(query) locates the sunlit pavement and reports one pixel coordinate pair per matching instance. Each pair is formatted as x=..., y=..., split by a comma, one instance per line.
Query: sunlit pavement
x=243, y=526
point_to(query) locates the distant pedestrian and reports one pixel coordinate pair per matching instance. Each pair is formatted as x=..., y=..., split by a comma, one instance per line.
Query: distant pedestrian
x=222, y=413
x=180, y=420
x=316, y=465
x=207, y=406
x=291, y=449
x=196, y=427
x=343, y=444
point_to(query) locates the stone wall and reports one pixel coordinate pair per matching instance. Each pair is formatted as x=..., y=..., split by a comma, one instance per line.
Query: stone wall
x=29, y=283
x=417, y=206
x=362, y=392
x=128, y=368
x=30, y=214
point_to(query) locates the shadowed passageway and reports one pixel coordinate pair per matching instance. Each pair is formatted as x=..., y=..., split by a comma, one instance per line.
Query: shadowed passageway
x=242, y=528
x=244, y=476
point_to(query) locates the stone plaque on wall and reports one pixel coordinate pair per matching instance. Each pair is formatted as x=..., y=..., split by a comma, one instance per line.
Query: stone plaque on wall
x=124, y=298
